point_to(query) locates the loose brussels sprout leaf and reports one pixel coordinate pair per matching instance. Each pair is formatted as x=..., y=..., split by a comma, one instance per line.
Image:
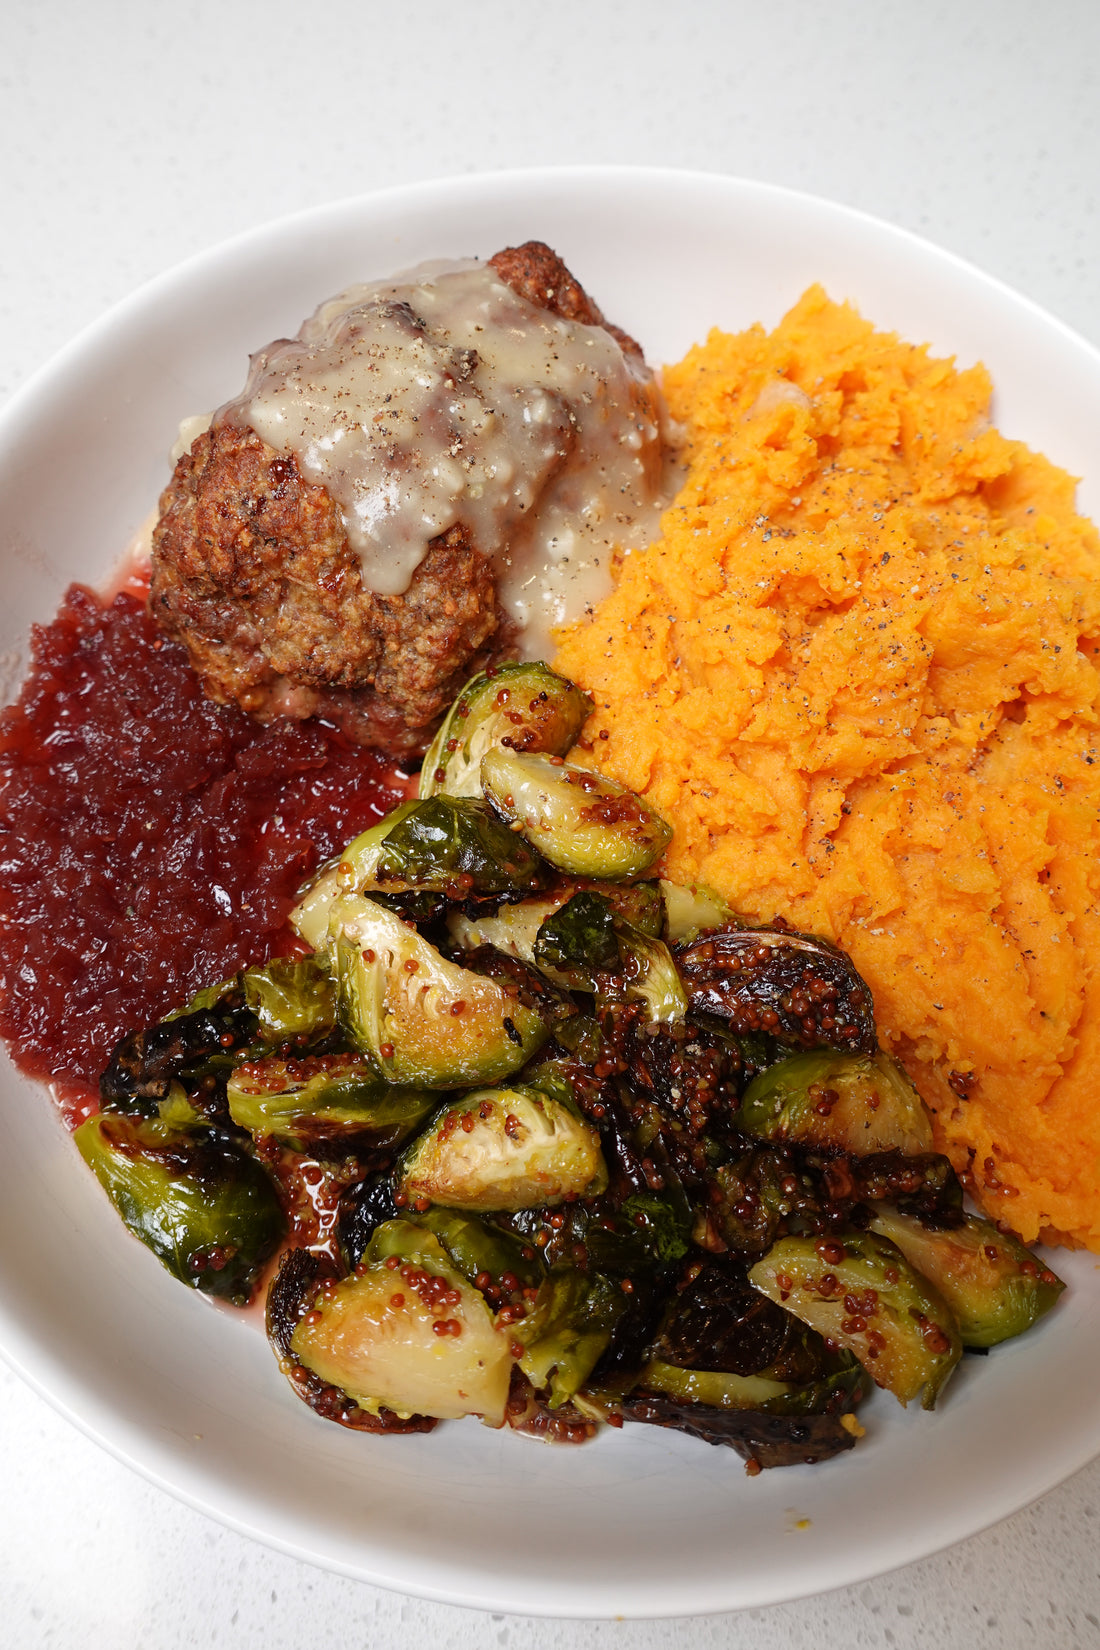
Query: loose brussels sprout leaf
x=426, y=1022
x=525, y=707
x=579, y=938
x=761, y=1437
x=293, y=999
x=481, y=1252
x=794, y=987
x=994, y=1285
x=407, y=1332
x=331, y=1097
x=860, y=1292
x=515, y=928
x=310, y=917
x=568, y=1330
x=208, y=1212
x=756, y=1392
x=692, y=911
x=508, y=1148
x=441, y=844
x=856, y=1102
x=646, y=1231
x=589, y=947
x=583, y=823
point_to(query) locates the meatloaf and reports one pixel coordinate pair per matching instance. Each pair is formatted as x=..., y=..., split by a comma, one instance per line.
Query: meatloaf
x=253, y=571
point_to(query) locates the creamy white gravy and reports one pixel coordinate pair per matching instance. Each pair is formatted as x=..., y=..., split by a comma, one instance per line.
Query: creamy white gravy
x=443, y=398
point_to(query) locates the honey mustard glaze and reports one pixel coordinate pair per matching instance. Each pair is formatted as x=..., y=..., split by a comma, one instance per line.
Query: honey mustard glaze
x=443, y=398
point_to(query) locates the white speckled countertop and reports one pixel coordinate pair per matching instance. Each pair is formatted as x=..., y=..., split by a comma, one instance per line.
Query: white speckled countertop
x=133, y=134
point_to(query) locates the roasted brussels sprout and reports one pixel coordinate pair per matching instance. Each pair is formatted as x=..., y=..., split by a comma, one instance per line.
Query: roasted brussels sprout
x=328, y=1098
x=794, y=987
x=506, y=1148
x=994, y=1285
x=583, y=823
x=207, y=1211
x=861, y=1293
x=406, y=1332
x=856, y=1102
x=442, y=844
x=301, y=1276
x=521, y=707
x=426, y=1022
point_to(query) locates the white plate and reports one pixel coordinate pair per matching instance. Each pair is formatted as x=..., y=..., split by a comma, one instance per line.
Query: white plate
x=642, y=1522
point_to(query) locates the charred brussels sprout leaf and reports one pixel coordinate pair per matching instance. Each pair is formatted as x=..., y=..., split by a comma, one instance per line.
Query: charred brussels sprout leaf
x=521, y=707
x=584, y=824
x=861, y=1292
x=413, y=1337
x=994, y=1285
x=857, y=1103
x=568, y=1330
x=504, y=1149
x=426, y=1022
x=208, y=1212
x=144, y=1065
x=444, y=845
x=794, y=987
x=330, y=1098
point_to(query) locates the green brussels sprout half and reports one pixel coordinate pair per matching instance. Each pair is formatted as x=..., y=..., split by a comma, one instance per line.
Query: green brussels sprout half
x=207, y=1211
x=692, y=911
x=443, y=844
x=525, y=707
x=504, y=1149
x=861, y=1293
x=328, y=1098
x=568, y=1330
x=584, y=824
x=426, y=1022
x=858, y=1103
x=994, y=1285
x=406, y=1332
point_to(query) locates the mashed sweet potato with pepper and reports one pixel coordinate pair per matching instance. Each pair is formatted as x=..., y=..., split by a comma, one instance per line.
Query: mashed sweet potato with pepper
x=861, y=672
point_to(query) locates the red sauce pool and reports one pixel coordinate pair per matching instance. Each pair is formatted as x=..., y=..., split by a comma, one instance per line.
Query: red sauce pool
x=150, y=842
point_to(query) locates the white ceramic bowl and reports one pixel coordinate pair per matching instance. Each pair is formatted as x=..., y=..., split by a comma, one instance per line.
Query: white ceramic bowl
x=642, y=1522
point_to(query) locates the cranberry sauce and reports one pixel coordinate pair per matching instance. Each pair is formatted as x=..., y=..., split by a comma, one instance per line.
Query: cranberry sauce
x=150, y=842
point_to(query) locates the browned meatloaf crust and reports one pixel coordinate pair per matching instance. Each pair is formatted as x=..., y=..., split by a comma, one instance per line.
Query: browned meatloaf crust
x=252, y=571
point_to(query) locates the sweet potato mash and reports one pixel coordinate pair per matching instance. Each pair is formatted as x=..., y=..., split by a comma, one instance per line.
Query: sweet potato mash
x=861, y=672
